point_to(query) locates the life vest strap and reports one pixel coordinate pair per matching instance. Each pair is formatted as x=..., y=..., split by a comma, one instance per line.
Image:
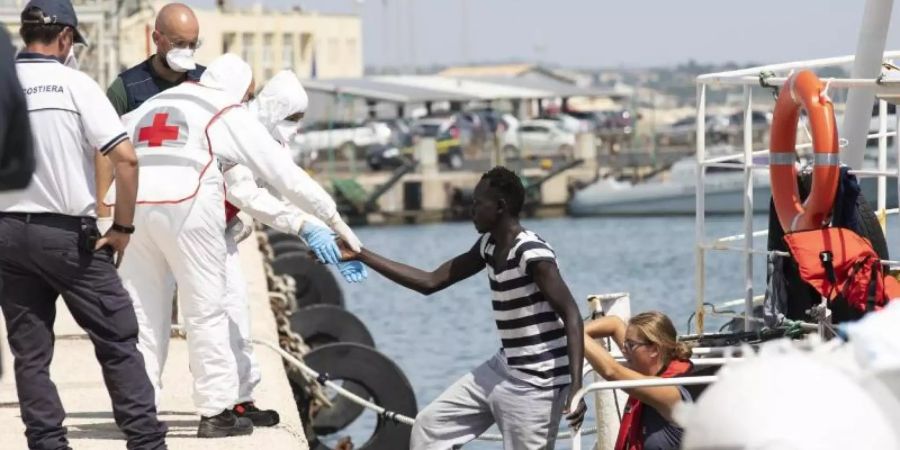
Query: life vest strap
x=827, y=259
x=873, y=287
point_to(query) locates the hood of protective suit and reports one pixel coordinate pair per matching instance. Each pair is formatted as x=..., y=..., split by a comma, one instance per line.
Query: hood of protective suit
x=228, y=73
x=764, y=402
x=282, y=96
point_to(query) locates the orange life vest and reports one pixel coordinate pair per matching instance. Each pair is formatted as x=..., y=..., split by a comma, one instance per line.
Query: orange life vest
x=631, y=436
x=840, y=264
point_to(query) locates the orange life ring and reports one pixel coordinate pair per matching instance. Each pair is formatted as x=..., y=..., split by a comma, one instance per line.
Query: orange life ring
x=803, y=90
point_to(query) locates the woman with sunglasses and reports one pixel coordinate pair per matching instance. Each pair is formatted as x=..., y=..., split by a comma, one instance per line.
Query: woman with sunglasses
x=651, y=350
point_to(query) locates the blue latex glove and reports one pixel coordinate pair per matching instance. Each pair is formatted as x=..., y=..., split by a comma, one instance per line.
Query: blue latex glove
x=353, y=271
x=321, y=241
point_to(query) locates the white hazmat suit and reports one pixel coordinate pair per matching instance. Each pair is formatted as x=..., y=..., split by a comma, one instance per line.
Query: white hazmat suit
x=183, y=137
x=282, y=96
x=788, y=398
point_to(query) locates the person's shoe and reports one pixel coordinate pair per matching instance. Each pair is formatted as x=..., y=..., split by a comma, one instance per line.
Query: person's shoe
x=259, y=417
x=224, y=424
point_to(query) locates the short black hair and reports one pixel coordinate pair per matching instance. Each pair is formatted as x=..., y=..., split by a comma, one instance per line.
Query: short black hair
x=32, y=30
x=508, y=186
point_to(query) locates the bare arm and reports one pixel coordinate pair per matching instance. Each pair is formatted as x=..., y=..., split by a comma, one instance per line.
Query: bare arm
x=608, y=326
x=549, y=281
x=125, y=163
x=427, y=283
x=663, y=399
x=103, y=180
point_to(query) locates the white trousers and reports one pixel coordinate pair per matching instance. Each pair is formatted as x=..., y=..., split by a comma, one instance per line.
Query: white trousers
x=184, y=243
x=238, y=307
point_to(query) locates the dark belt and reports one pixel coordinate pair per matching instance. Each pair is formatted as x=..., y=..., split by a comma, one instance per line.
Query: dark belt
x=86, y=227
x=51, y=219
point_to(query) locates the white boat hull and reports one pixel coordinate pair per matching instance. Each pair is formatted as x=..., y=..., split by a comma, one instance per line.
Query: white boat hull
x=723, y=196
x=665, y=199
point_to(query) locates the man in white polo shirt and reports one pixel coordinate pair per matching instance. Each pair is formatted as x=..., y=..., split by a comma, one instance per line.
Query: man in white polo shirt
x=50, y=245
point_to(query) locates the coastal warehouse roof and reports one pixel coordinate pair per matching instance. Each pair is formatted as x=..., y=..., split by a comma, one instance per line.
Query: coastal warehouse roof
x=372, y=88
x=434, y=88
x=560, y=89
x=499, y=70
x=517, y=71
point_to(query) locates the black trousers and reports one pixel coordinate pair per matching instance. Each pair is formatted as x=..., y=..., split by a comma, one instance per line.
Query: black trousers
x=43, y=256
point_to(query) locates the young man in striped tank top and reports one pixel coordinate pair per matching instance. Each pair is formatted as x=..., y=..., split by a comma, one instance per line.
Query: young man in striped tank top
x=527, y=386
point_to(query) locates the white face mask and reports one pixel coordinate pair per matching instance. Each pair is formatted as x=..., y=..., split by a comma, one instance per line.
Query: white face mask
x=285, y=131
x=71, y=61
x=181, y=59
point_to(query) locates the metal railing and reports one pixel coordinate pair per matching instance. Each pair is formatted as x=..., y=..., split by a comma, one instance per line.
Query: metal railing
x=631, y=384
x=747, y=79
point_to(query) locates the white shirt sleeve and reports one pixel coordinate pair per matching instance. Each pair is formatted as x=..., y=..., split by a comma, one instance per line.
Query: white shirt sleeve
x=239, y=138
x=241, y=190
x=102, y=127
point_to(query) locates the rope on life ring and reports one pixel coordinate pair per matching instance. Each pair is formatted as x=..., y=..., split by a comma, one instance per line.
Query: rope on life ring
x=803, y=91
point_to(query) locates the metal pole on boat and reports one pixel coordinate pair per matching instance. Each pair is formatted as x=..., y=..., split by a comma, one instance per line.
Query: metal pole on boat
x=897, y=161
x=700, y=213
x=882, y=163
x=748, y=207
x=608, y=404
x=869, y=53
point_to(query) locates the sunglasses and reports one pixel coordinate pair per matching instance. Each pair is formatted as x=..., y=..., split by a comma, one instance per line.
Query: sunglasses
x=630, y=345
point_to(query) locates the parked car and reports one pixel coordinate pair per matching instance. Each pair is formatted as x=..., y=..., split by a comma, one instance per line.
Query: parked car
x=616, y=121
x=446, y=131
x=401, y=132
x=760, y=120
x=534, y=138
x=489, y=118
x=507, y=127
x=568, y=122
x=760, y=124
x=684, y=131
x=590, y=120
x=348, y=139
x=389, y=157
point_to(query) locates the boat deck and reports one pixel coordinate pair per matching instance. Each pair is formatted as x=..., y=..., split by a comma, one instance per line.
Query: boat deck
x=89, y=415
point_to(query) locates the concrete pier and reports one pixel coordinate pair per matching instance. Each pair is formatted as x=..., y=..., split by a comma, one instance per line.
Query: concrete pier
x=89, y=415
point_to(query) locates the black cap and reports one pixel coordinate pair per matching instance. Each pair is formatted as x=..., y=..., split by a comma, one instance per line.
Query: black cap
x=59, y=12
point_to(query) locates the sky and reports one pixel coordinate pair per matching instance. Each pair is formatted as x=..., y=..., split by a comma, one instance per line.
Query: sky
x=599, y=33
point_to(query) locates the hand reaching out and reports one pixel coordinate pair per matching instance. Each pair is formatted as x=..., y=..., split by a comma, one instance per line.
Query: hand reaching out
x=353, y=271
x=347, y=253
x=321, y=241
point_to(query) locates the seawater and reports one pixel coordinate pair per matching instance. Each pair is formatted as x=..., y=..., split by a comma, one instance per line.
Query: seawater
x=437, y=339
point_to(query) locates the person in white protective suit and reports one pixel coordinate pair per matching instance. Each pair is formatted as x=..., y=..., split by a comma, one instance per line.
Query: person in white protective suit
x=797, y=400
x=282, y=97
x=183, y=137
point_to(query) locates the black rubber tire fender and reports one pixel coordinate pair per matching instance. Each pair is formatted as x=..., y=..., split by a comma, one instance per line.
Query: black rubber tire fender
x=289, y=246
x=326, y=324
x=315, y=282
x=383, y=380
